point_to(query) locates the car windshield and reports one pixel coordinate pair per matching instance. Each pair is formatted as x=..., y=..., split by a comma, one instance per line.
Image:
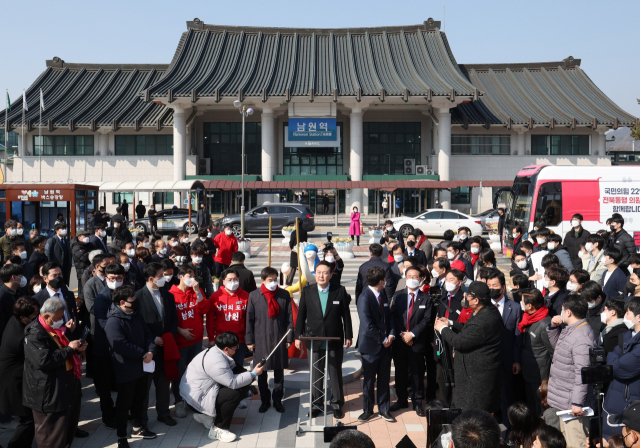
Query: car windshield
x=413, y=215
x=519, y=211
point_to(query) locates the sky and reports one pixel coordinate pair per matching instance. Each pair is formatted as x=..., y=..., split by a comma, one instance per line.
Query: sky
x=601, y=33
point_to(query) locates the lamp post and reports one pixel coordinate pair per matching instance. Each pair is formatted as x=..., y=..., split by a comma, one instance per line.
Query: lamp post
x=245, y=111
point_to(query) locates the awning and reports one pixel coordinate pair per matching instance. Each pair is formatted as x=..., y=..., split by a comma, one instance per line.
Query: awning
x=163, y=185
x=388, y=185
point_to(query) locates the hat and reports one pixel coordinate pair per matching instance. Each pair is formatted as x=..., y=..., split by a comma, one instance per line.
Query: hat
x=457, y=264
x=479, y=289
x=630, y=417
x=83, y=232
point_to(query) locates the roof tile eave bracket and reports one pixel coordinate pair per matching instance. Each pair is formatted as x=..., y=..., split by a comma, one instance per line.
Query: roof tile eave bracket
x=430, y=66
x=411, y=63
x=374, y=71
x=214, y=65
x=392, y=65
x=352, y=64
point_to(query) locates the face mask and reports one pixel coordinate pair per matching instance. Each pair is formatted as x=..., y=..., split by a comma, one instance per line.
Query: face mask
x=188, y=281
x=116, y=225
x=146, y=244
x=522, y=305
x=630, y=287
x=475, y=250
x=515, y=236
x=575, y=223
x=310, y=255
x=449, y=286
x=629, y=268
x=103, y=233
x=185, y=240
x=203, y=239
x=23, y=255
x=580, y=253
x=591, y=305
x=13, y=232
x=450, y=255
x=588, y=247
x=130, y=253
x=57, y=324
x=163, y=251
x=271, y=286
x=133, y=306
x=329, y=258
x=228, y=232
x=197, y=260
x=522, y=264
x=541, y=240
x=607, y=261
x=84, y=240
x=113, y=284
x=167, y=278
x=629, y=323
x=389, y=229
x=398, y=258
x=412, y=283
x=545, y=283
x=463, y=237
x=434, y=273
x=36, y=289
x=56, y=283
x=23, y=281
x=126, y=267
x=495, y=293
x=355, y=210
x=208, y=235
x=613, y=229
x=562, y=316
x=603, y=317
x=20, y=231
x=232, y=286
x=160, y=282
x=174, y=243
x=551, y=246
x=411, y=243
x=571, y=286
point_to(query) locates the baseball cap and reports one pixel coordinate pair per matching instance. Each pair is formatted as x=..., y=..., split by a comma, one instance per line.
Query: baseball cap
x=458, y=265
x=479, y=289
x=630, y=417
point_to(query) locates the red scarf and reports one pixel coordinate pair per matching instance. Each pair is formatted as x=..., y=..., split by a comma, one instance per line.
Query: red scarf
x=528, y=319
x=474, y=258
x=390, y=258
x=425, y=288
x=274, y=308
x=421, y=240
x=62, y=341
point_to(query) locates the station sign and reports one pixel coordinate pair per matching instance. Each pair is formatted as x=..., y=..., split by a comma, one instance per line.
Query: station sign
x=312, y=129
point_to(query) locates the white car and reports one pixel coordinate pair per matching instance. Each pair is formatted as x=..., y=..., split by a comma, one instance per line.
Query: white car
x=434, y=222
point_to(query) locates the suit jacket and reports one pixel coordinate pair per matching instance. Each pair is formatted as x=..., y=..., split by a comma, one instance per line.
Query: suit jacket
x=615, y=285
x=392, y=278
x=336, y=320
x=98, y=243
x=70, y=304
x=90, y=292
x=36, y=260
x=419, y=322
x=375, y=322
x=537, y=352
x=420, y=255
x=135, y=274
x=158, y=325
x=455, y=305
x=361, y=282
x=8, y=298
x=247, y=280
x=57, y=251
x=512, y=338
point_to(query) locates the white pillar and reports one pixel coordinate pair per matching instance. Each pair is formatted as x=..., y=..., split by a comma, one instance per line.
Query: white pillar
x=355, y=157
x=444, y=152
x=179, y=143
x=269, y=160
x=600, y=146
x=521, y=144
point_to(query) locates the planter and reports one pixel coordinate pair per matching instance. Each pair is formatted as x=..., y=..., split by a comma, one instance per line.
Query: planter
x=375, y=236
x=345, y=250
x=287, y=236
x=245, y=248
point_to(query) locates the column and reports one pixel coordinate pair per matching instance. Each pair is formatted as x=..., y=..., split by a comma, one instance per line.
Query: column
x=269, y=159
x=179, y=143
x=355, y=158
x=599, y=145
x=521, y=144
x=444, y=151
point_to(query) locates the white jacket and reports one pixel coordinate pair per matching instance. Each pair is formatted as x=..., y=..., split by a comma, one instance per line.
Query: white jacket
x=206, y=374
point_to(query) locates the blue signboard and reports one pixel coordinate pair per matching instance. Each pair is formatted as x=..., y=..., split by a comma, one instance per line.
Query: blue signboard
x=316, y=129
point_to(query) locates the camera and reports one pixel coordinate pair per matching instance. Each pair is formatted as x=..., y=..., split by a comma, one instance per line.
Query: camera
x=599, y=373
x=597, y=355
x=328, y=246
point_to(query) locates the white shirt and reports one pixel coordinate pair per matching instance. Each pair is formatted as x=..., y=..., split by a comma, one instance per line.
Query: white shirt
x=499, y=304
x=606, y=277
x=59, y=295
x=325, y=289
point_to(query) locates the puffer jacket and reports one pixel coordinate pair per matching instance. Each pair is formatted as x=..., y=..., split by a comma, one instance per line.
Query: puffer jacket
x=563, y=257
x=206, y=374
x=626, y=379
x=571, y=353
x=623, y=241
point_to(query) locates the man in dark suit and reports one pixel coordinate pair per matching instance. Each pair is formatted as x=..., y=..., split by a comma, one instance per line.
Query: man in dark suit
x=453, y=253
x=38, y=258
x=129, y=250
x=510, y=351
x=58, y=250
x=375, y=336
x=413, y=251
x=411, y=314
x=97, y=239
x=158, y=309
x=392, y=233
x=375, y=252
x=247, y=279
x=324, y=311
x=153, y=218
x=12, y=277
x=52, y=276
x=394, y=270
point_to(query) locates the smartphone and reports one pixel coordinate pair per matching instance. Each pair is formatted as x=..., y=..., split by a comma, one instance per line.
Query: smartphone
x=85, y=333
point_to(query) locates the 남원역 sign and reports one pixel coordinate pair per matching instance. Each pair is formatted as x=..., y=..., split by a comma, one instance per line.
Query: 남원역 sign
x=314, y=129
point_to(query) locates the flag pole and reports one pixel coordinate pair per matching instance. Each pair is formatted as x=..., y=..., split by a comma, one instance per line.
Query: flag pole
x=22, y=152
x=6, y=136
x=40, y=139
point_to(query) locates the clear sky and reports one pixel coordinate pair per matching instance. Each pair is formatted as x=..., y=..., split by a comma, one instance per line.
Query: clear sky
x=603, y=34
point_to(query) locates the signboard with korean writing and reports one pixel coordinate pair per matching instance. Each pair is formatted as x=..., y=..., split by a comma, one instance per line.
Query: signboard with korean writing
x=335, y=143
x=312, y=129
x=619, y=197
x=53, y=193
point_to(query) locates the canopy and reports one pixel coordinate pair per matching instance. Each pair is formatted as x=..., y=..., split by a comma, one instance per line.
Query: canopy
x=149, y=185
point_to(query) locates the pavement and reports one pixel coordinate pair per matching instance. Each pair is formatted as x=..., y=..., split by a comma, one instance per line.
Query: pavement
x=270, y=429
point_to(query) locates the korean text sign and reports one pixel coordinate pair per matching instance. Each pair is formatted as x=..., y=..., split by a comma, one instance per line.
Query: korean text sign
x=301, y=129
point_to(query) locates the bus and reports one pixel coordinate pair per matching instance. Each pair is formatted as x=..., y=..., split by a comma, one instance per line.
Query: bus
x=553, y=194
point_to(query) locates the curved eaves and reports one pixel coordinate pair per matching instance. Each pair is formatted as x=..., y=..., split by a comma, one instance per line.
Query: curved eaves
x=227, y=62
x=245, y=65
x=207, y=68
x=496, y=99
x=381, y=65
x=177, y=66
x=367, y=77
x=265, y=66
x=519, y=97
x=285, y=58
x=403, y=65
x=537, y=98
x=106, y=82
x=323, y=83
x=556, y=98
x=127, y=99
x=302, y=72
x=345, y=76
x=423, y=65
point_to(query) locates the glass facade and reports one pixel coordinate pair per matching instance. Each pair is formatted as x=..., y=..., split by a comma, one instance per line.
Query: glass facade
x=461, y=195
x=13, y=139
x=223, y=145
x=63, y=145
x=387, y=145
x=480, y=144
x=313, y=160
x=560, y=145
x=144, y=145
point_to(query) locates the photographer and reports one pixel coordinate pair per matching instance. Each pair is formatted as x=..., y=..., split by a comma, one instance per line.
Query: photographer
x=625, y=359
x=332, y=257
x=391, y=232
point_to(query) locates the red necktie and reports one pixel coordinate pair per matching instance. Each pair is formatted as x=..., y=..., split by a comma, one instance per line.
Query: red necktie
x=380, y=302
x=410, y=310
x=446, y=315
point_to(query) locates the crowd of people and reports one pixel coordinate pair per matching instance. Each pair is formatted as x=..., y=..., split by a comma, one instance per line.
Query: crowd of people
x=458, y=337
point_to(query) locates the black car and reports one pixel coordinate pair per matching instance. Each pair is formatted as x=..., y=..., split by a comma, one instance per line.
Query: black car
x=256, y=220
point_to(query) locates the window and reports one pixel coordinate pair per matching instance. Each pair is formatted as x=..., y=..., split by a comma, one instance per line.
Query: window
x=119, y=197
x=450, y=215
x=63, y=145
x=313, y=160
x=168, y=198
x=539, y=146
x=223, y=145
x=432, y=215
x=461, y=195
x=144, y=145
x=386, y=145
x=481, y=144
x=560, y=145
x=13, y=139
x=549, y=203
x=278, y=209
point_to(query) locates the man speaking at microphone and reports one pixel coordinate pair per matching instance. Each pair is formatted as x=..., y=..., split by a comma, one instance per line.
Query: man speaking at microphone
x=324, y=312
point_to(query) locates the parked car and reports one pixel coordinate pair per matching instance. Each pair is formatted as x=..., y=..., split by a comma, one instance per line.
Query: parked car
x=256, y=220
x=489, y=219
x=434, y=222
x=169, y=220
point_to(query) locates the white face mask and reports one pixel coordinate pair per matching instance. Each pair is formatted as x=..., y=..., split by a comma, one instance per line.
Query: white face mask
x=604, y=317
x=434, y=273
x=463, y=237
x=310, y=255
x=13, y=232
x=575, y=223
x=185, y=240
x=20, y=231
x=545, y=283
x=475, y=250
x=23, y=281
x=23, y=255
x=113, y=284
x=522, y=305
x=329, y=258
x=174, y=243
x=63, y=232
x=592, y=305
x=131, y=253
x=541, y=240
x=103, y=233
x=580, y=253
x=522, y=264
x=85, y=239
x=57, y=324
x=629, y=323
x=163, y=251
x=203, y=239
x=413, y=283
x=551, y=246
x=450, y=255
x=126, y=267
x=167, y=278
x=629, y=268
x=450, y=286
x=36, y=289
x=116, y=225
x=160, y=282
x=146, y=244
x=588, y=247
x=228, y=232
x=232, y=286
x=271, y=286
x=398, y=258
x=197, y=260
x=189, y=281
x=209, y=235
x=572, y=287
x=389, y=229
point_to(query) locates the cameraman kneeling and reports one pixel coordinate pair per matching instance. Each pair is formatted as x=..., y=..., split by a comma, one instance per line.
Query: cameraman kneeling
x=213, y=386
x=625, y=359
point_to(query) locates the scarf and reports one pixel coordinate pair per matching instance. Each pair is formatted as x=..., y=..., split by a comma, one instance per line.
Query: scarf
x=528, y=319
x=474, y=258
x=62, y=341
x=421, y=240
x=390, y=258
x=274, y=308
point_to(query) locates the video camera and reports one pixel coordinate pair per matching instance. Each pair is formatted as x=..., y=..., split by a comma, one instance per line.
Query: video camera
x=328, y=246
x=598, y=373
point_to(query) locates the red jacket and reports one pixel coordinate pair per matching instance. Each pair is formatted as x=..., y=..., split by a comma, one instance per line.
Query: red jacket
x=228, y=312
x=190, y=314
x=226, y=245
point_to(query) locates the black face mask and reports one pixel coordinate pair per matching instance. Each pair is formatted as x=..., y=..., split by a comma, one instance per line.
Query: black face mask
x=495, y=293
x=411, y=244
x=56, y=283
x=135, y=305
x=613, y=229
x=630, y=287
x=147, y=260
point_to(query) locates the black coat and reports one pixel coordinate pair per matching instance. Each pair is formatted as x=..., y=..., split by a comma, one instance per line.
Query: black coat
x=554, y=302
x=572, y=244
x=204, y=218
x=293, y=259
x=8, y=298
x=420, y=255
x=335, y=322
x=477, y=360
x=623, y=241
x=247, y=280
x=140, y=211
x=419, y=322
x=36, y=260
x=611, y=339
x=265, y=333
x=361, y=282
x=80, y=252
x=47, y=385
x=158, y=325
x=11, y=369
x=58, y=251
x=70, y=303
x=392, y=278
x=153, y=217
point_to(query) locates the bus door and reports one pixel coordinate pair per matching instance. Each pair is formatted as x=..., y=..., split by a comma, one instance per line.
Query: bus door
x=548, y=206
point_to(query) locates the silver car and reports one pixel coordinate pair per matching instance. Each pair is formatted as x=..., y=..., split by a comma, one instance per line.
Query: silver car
x=170, y=220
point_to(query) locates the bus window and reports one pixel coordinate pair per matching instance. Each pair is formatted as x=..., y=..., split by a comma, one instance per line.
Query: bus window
x=549, y=204
x=519, y=212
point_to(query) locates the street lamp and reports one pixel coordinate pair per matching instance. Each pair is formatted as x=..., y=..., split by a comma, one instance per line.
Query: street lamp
x=245, y=111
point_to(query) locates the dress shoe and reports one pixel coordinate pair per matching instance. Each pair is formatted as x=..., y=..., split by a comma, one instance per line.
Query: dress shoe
x=365, y=416
x=386, y=416
x=263, y=407
x=81, y=434
x=419, y=411
x=338, y=414
x=279, y=407
x=110, y=422
x=398, y=405
x=168, y=420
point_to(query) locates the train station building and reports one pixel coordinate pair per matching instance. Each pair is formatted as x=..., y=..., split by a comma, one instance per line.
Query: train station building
x=336, y=111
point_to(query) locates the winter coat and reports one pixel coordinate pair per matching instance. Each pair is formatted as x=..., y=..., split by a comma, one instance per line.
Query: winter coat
x=625, y=387
x=571, y=353
x=354, y=227
x=190, y=314
x=203, y=277
x=227, y=245
x=573, y=243
x=8, y=298
x=265, y=333
x=609, y=334
x=47, y=385
x=615, y=285
x=203, y=219
x=623, y=241
x=227, y=312
x=536, y=352
x=597, y=270
x=80, y=252
x=563, y=256
x=246, y=277
x=129, y=340
x=206, y=374
x=11, y=369
x=554, y=301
